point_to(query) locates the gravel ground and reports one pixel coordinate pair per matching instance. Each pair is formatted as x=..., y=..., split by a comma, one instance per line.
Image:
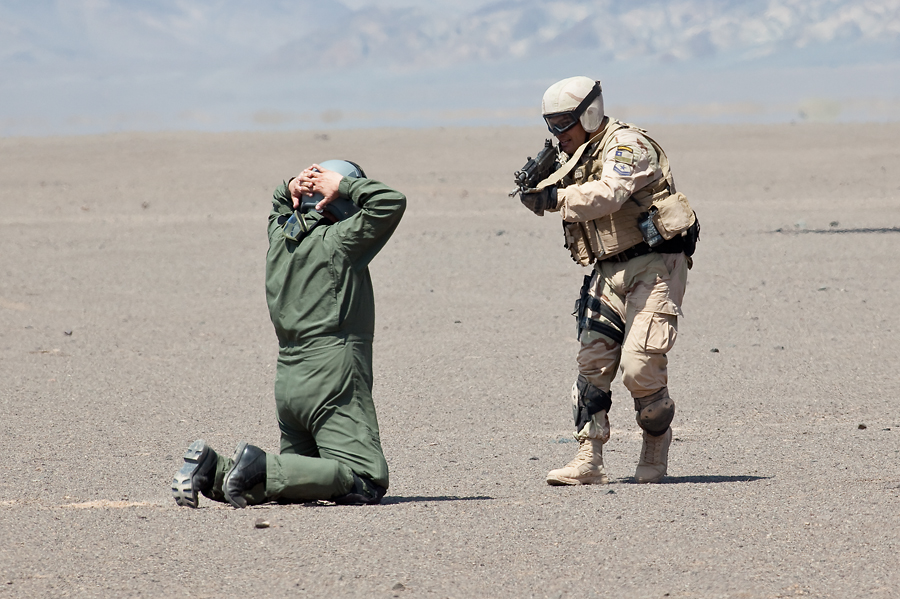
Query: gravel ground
x=133, y=321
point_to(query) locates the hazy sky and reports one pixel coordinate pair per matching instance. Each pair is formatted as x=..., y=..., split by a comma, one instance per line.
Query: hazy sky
x=441, y=5
x=88, y=66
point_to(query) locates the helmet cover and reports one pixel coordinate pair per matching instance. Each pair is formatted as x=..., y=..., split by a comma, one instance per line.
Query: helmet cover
x=563, y=105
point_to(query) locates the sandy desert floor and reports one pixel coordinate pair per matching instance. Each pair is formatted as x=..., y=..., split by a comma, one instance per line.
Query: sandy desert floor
x=133, y=321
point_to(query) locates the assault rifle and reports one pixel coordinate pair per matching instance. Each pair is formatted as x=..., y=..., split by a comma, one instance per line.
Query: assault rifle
x=536, y=169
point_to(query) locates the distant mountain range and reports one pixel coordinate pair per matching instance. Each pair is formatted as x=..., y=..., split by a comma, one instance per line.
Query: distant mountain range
x=218, y=59
x=670, y=30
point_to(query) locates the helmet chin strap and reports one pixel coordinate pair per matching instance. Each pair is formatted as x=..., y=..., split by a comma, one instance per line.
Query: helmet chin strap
x=592, y=95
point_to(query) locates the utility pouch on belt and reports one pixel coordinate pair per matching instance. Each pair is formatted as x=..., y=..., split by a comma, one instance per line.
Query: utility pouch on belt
x=672, y=215
x=583, y=241
x=580, y=306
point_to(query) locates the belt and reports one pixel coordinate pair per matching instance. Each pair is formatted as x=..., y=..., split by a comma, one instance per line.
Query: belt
x=633, y=252
x=672, y=246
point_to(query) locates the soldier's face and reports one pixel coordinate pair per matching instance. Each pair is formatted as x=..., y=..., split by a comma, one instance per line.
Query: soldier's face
x=571, y=140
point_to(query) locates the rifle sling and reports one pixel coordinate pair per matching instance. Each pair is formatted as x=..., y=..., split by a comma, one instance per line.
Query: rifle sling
x=572, y=162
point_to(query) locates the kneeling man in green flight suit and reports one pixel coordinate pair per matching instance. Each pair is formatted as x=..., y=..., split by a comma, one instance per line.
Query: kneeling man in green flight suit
x=326, y=225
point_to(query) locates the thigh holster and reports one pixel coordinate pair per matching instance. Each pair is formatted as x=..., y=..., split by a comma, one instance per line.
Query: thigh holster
x=591, y=314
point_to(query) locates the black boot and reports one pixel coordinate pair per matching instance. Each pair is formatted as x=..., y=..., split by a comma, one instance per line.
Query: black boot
x=363, y=492
x=248, y=470
x=196, y=476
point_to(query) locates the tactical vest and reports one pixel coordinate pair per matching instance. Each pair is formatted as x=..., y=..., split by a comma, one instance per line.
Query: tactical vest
x=606, y=236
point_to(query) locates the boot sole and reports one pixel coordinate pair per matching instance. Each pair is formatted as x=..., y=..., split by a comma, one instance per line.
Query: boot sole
x=644, y=481
x=183, y=484
x=562, y=481
x=238, y=502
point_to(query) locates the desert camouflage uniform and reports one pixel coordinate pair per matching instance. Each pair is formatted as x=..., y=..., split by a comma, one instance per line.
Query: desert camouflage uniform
x=633, y=303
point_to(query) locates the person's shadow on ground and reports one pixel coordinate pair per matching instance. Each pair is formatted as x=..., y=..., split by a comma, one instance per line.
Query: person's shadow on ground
x=705, y=479
x=389, y=500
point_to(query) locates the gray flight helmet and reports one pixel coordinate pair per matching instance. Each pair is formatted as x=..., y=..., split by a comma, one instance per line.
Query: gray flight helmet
x=340, y=208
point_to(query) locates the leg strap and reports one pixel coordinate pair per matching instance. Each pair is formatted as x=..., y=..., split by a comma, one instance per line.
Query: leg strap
x=608, y=324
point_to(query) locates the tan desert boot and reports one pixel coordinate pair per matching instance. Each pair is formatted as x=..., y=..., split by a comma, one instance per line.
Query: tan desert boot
x=586, y=468
x=654, y=457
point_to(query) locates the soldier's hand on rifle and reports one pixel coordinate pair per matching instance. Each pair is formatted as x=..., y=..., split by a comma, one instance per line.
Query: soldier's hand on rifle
x=538, y=200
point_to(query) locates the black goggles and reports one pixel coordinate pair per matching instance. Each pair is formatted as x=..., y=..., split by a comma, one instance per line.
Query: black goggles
x=560, y=122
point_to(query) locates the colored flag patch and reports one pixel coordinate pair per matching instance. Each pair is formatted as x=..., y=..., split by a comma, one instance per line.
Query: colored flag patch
x=625, y=155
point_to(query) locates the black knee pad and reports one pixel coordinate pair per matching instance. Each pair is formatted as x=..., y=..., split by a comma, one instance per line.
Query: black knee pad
x=588, y=401
x=655, y=412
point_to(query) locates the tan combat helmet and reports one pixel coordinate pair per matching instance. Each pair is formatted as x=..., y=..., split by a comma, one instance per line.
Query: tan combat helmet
x=572, y=100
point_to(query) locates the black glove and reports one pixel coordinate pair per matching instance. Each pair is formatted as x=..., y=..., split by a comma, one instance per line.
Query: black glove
x=538, y=200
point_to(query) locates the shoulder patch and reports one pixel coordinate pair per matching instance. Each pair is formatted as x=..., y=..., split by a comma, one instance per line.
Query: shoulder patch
x=623, y=169
x=624, y=155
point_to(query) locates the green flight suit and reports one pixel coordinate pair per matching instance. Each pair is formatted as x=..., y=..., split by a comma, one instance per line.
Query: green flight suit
x=322, y=306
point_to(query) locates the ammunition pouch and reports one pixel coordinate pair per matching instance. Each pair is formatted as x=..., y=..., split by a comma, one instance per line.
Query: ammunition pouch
x=675, y=221
x=672, y=215
x=582, y=241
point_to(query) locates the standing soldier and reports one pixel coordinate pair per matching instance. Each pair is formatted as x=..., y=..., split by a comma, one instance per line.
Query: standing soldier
x=621, y=213
x=326, y=225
